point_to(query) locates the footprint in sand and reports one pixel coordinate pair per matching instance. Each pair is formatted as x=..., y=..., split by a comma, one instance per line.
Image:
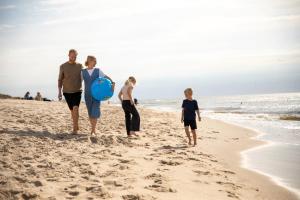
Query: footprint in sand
x=229, y=184
x=198, y=172
x=170, y=162
x=159, y=183
x=99, y=191
x=137, y=197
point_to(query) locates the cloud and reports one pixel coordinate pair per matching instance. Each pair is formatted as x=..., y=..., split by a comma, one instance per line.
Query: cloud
x=6, y=27
x=7, y=7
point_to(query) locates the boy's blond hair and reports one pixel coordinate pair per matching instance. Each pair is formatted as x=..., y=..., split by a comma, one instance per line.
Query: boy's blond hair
x=188, y=90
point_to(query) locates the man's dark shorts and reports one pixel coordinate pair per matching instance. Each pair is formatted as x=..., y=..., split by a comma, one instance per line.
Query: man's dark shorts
x=73, y=99
x=191, y=123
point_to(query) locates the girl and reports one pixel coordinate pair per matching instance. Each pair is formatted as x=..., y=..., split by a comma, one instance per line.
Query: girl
x=89, y=75
x=132, y=117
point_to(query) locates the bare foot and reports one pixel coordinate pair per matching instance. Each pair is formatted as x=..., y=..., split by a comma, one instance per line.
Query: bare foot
x=93, y=133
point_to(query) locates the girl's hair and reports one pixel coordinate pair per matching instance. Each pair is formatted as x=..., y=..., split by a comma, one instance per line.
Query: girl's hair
x=90, y=58
x=130, y=80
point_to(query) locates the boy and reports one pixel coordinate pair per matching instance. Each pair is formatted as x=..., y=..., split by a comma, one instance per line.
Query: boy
x=188, y=116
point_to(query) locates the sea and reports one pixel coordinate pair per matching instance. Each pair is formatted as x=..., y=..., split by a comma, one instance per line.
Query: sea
x=276, y=117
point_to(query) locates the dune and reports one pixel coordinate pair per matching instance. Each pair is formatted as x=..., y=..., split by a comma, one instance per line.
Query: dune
x=40, y=159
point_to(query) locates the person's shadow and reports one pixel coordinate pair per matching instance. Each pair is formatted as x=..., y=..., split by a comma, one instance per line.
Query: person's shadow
x=45, y=134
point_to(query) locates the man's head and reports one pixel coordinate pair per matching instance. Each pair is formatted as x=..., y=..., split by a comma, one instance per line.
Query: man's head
x=72, y=55
x=188, y=93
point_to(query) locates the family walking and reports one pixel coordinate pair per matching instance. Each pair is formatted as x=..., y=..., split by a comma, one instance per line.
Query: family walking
x=71, y=76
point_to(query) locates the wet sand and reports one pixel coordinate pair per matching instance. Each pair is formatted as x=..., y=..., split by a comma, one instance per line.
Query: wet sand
x=40, y=159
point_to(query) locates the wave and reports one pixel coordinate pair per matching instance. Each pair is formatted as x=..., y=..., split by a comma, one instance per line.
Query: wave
x=290, y=117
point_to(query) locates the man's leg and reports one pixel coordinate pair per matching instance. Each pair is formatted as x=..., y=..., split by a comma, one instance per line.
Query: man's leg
x=187, y=131
x=75, y=117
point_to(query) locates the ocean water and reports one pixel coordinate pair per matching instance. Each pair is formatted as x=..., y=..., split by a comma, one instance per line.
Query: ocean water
x=275, y=116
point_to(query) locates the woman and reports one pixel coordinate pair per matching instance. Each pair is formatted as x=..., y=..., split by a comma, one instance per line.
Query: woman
x=132, y=117
x=89, y=75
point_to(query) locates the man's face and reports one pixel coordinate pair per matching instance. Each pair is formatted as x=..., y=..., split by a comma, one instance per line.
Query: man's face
x=72, y=57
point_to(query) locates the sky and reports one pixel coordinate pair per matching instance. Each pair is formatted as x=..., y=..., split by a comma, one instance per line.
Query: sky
x=216, y=47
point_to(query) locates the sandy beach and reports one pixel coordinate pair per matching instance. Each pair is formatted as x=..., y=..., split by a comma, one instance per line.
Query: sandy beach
x=40, y=159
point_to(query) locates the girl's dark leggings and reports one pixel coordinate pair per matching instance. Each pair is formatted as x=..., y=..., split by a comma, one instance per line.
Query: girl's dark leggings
x=132, y=117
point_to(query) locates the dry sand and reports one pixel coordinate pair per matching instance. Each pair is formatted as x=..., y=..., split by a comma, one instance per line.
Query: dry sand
x=39, y=159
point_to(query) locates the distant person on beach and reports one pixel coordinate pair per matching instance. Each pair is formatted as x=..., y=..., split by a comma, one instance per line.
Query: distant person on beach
x=69, y=82
x=188, y=116
x=89, y=75
x=132, y=117
x=136, y=101
x=27, y=96
x=38, y=97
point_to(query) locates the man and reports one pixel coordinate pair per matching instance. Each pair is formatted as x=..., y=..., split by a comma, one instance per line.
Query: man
x=69, y=82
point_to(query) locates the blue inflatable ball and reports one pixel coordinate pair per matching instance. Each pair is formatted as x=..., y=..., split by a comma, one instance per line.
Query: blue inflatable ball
x=101, y=89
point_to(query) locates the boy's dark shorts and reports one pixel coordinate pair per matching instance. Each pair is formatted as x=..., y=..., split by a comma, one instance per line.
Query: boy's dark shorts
x=73, y=99
x=191, y=123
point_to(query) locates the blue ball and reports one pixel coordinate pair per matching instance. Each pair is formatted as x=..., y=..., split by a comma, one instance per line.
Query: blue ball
x=101, y=89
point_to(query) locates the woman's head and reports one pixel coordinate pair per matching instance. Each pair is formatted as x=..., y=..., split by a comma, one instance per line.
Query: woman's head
x=91, y=61
x=131, y=79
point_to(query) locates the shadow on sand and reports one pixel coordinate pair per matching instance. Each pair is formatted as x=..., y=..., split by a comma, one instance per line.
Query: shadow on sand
x=45, y=134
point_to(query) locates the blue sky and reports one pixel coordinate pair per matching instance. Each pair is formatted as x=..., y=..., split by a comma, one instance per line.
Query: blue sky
x=216, y=47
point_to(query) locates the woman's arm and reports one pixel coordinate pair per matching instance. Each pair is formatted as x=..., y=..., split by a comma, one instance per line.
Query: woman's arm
x=129, y=92
x=112, y=82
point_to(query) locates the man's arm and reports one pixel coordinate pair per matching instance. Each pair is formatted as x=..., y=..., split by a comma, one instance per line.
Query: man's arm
x=60, y=81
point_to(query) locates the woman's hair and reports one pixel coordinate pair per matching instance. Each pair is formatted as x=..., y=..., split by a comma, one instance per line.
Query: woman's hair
x=131, y=79
x=90, y=58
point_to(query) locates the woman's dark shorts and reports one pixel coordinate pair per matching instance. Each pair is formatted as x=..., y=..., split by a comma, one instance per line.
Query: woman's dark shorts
x=73, y=99
x=191, y=123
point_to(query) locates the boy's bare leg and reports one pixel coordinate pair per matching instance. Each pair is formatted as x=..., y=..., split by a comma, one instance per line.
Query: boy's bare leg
x=75, y=116
x=194, y=137
x=187, y=131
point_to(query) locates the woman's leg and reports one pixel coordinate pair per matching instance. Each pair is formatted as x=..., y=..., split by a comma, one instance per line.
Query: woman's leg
x=93, y=124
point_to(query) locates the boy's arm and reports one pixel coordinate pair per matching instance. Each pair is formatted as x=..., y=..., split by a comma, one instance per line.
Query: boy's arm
x=198, y=113
x=182, y=115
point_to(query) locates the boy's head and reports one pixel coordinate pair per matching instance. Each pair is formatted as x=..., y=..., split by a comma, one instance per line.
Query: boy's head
x=188, y=93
